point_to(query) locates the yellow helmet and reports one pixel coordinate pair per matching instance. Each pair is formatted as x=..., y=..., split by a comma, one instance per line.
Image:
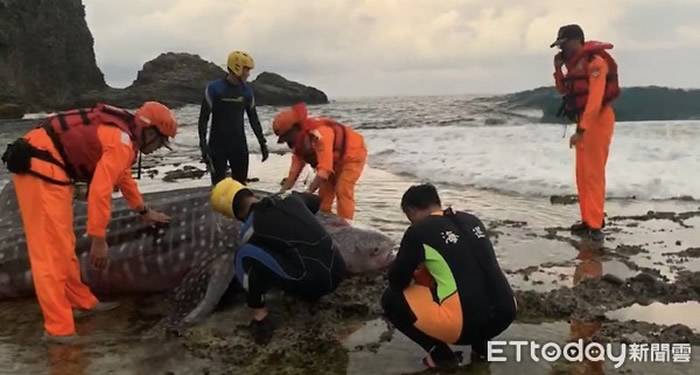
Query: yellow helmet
x=237, y=60
x=222, y=196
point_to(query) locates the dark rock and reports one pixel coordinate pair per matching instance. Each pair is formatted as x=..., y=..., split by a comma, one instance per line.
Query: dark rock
x=644, y=278
x=593, y=297
x=612, y=279
x=174, y=79
x=11, y=111
x=526, y=271
x=533, y=306
x=495, y=121
x=634, y=104
x=179, y=70
x=46, y=53
x=563, y=199
x=177, y=79
x=684, y=198
x=631, y=331
x=692, y=279
x=273, y=89
x=47, y=63
x=678, y=333
x=693, y=252
x=629, y=250
x=678, y=218
x=187, y=172
x=573, y=199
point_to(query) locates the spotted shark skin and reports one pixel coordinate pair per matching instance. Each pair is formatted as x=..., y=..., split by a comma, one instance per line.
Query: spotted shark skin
x=192, y=257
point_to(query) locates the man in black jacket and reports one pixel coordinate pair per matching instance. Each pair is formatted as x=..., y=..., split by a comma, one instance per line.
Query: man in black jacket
x=445, y=286
x=283, y=246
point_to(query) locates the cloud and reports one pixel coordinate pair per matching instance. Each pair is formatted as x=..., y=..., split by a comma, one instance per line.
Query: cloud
x=374, y=47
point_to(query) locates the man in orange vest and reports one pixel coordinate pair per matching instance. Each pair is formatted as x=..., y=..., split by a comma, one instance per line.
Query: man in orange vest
x=335, y=151
x=96, y=145
x=589, y=86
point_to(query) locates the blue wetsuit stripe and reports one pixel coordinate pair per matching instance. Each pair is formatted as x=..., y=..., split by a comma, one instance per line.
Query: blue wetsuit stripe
x=254, y=252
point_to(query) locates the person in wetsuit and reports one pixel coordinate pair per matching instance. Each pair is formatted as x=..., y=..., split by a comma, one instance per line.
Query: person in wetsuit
x=283, y=246
x=445, y=286
x=225, y=100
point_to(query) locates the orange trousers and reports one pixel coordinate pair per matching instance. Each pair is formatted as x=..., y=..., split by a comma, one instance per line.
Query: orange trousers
x=591, y=158
x=443, y=321
x=342, y=185
x=47, y=216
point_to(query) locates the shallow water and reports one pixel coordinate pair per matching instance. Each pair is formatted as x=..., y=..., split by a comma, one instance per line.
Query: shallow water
x=112, y=344
x=401, y=356
x=687, y=313
x=115, y=344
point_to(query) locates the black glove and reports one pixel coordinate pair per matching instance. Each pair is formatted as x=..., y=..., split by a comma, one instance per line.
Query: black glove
x=264, y=151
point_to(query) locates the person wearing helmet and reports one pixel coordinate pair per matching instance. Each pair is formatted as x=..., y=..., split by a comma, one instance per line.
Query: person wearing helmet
x=335, y=151
x=225, y=100
x=283, y=246
x=96, y=145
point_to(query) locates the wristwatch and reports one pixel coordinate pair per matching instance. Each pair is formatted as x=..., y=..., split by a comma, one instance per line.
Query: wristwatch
x=144, y=211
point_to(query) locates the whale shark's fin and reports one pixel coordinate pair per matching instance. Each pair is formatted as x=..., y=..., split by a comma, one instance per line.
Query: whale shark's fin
x=220, y=277
x=201, y=290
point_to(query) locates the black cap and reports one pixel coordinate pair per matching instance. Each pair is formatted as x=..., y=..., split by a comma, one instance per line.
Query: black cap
x=566, y=33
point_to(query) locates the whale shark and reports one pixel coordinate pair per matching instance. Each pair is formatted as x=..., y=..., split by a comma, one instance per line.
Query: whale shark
x=191, y=258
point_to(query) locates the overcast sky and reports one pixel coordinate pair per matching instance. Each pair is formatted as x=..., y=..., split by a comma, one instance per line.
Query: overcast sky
x=400, y=47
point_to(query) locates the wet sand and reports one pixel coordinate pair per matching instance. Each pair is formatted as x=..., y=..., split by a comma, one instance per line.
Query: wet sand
x=566, y=288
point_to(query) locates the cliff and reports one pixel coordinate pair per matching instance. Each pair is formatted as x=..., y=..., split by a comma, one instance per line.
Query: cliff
x=46, y=54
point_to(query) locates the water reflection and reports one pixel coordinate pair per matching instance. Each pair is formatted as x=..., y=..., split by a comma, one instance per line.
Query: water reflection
x=686, y=313
x=589, y=266
x=67, y=360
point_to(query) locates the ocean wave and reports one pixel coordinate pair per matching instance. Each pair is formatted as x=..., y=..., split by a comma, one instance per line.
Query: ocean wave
x=470, y=142
x=649, y=161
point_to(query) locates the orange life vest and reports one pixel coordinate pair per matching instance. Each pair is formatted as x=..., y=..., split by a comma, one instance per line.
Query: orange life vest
x=303, y=146
x=577, y=75
x=74, y=134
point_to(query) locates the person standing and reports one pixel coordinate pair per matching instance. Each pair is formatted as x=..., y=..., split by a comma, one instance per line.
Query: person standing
x=225, y=101
x=589, y=86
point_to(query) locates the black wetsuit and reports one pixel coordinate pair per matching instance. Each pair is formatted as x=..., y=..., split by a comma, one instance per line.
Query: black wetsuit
x=465, y=280
x=226, y=102
x=286, y=247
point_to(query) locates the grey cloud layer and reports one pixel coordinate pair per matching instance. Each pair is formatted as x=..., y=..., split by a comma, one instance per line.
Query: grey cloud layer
x=376, y=47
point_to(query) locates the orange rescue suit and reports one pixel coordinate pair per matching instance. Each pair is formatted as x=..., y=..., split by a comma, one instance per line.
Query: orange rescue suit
x=47, y=216
x=597, y=121
x=338, y=154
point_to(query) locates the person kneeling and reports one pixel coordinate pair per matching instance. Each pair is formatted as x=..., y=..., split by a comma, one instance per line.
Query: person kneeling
x=283, y=245
x=445, y=286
